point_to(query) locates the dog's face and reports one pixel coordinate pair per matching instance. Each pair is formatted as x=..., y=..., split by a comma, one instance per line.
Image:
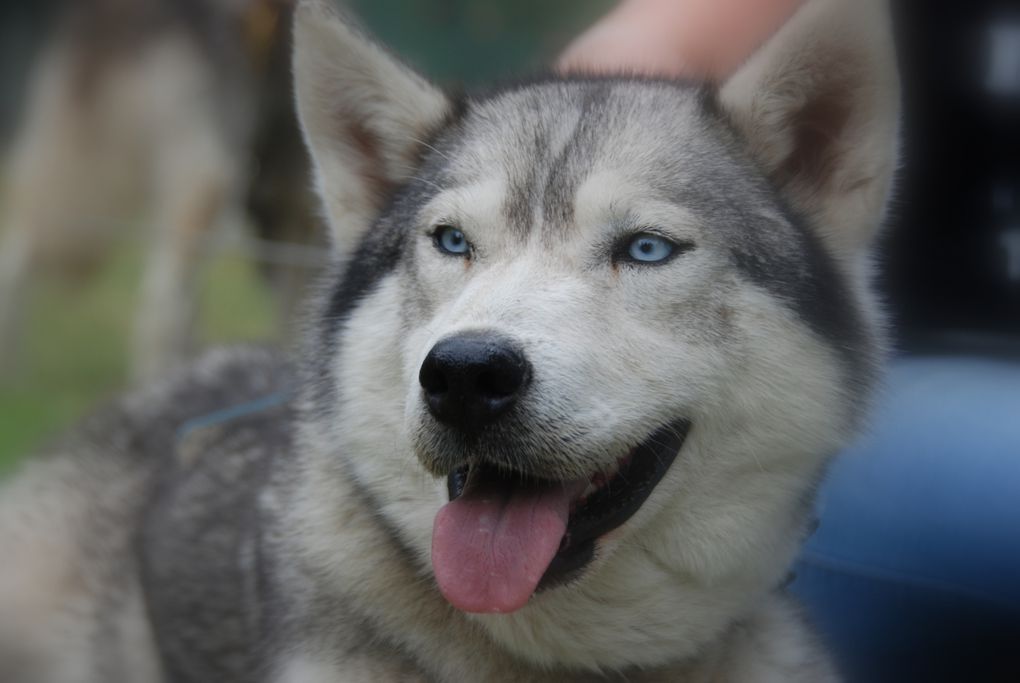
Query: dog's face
x=616, y=325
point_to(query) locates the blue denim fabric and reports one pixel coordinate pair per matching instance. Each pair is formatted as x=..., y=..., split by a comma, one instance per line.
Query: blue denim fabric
x=914, y=571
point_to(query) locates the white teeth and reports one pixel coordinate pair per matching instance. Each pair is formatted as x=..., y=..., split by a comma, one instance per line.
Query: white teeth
x=600, y=479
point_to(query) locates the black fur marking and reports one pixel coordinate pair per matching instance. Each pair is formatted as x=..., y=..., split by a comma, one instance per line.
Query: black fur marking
x=562, y=174
x=783, y=255
x=380, y=249
x=379, y=253
x=376, y=257
x=565, y=171
x=531, y=136
x=817, y=294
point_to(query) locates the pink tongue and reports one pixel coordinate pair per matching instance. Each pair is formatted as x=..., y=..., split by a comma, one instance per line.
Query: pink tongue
x=490, y=547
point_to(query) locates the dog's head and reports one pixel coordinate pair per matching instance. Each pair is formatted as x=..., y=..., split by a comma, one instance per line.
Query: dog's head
x=615, y=325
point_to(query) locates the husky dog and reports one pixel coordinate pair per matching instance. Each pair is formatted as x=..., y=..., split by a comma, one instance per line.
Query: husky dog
x=586, y=350
x=153, y=105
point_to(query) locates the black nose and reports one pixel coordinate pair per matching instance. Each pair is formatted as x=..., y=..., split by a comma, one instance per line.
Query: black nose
x=473, y=378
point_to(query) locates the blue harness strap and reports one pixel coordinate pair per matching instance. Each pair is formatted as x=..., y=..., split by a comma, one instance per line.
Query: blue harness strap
x=234, y=412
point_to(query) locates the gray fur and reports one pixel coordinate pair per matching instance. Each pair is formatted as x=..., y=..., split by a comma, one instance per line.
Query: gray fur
x=250, y=522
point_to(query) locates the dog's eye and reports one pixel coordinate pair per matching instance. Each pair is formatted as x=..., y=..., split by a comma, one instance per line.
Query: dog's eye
x=450, y=240
x=648, y=248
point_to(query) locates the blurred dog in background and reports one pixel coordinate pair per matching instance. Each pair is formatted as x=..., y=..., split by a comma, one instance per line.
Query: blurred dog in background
x=175, y=112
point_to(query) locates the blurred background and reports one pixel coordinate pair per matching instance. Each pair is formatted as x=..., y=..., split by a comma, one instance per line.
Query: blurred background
x=124, y=279
x=77, y=304
x=153, y=201
x=951, y=259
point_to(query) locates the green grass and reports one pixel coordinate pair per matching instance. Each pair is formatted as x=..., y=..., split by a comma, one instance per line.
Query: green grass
x=74, y=342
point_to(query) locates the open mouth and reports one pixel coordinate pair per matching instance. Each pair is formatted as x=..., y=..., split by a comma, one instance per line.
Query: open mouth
x=504, y=536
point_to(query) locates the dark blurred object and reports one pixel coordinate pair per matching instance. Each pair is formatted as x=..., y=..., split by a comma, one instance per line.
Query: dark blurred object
x=280, y=200
x=22, y=31
x=952, y=259
x=912, y=573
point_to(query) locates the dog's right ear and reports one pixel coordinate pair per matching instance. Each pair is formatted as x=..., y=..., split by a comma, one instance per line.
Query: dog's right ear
x=818, y=105
x=364, y=115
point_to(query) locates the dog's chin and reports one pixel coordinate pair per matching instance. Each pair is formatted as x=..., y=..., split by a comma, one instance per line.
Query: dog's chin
x=551, y=528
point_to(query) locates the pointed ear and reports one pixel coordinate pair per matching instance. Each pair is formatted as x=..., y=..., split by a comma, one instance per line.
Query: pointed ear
x=819, y=107
x=364, y=116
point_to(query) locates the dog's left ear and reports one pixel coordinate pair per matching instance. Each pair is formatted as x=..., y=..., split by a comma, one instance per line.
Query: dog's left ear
x=365, y=117
x=819, y=107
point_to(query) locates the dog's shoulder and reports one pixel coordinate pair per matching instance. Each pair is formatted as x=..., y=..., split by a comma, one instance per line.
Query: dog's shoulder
x=159, y=481
x=231, y=419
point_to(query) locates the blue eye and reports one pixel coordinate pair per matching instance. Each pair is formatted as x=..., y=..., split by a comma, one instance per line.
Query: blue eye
x=451, y=240
x=648, y=248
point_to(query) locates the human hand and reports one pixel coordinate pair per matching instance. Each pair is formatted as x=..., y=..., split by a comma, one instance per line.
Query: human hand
x=676, y=38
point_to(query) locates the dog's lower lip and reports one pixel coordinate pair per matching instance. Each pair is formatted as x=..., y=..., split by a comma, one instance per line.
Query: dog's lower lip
x=609, y=506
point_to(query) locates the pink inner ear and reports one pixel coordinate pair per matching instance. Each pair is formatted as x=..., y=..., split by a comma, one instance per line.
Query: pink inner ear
x=371, y=166
x=818, y=130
